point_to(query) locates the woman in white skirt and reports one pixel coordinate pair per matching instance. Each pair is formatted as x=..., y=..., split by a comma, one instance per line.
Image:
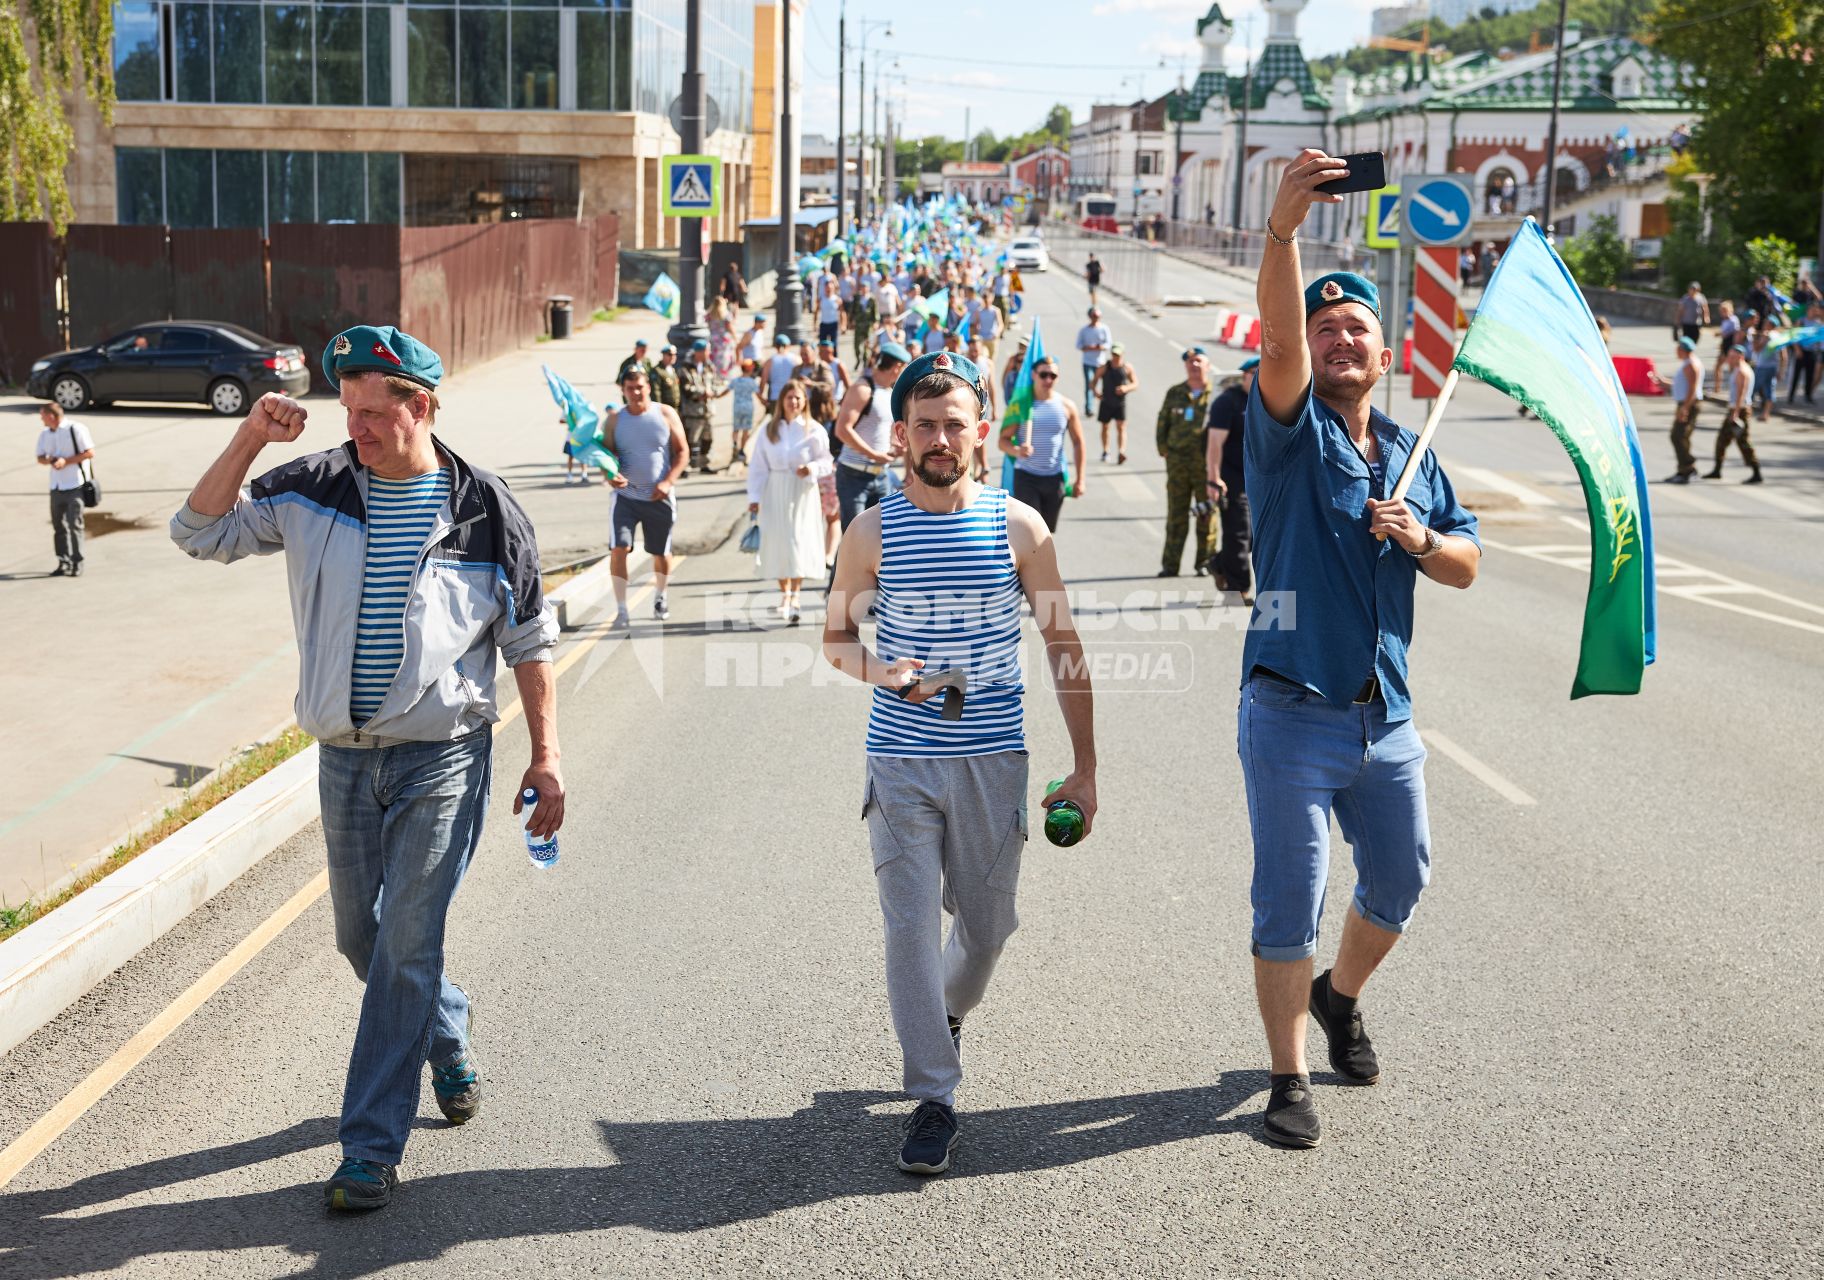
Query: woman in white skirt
x=782, y=477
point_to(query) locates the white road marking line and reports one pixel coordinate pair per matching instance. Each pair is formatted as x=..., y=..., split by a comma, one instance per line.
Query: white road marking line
x=1476, y=769
x=1697, y=592
x=1576, y=522
x=1131, y=488
x=95, y=1086
x=1501, y=484
x=1149, y=328
x=1781, y=501
x=1681, y=496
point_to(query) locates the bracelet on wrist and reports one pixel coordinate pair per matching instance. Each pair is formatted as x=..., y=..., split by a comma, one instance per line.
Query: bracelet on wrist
x=1276, y=237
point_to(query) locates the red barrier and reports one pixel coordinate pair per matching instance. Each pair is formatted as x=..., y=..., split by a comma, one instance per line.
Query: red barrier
x=1228, y=327
x=1252, y=341
x=1637, y=376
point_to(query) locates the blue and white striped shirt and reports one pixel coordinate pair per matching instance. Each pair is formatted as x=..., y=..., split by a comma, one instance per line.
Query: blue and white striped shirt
x=1045, y=433
x=400, y=515
x=949, y=595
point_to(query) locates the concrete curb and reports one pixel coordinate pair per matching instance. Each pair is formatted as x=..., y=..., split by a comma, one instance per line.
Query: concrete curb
x=54, y=961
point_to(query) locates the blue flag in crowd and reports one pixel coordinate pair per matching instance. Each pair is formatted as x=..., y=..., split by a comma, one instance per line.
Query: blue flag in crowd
x=663, y=297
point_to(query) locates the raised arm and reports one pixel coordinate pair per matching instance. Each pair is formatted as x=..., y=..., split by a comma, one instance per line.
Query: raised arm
x=1285, y=360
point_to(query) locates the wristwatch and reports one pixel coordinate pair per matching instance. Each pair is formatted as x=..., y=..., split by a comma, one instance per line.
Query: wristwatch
x=1434, y=543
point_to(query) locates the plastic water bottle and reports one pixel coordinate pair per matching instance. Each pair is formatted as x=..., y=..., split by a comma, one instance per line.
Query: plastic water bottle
x=543, y=853
x=1063, y=819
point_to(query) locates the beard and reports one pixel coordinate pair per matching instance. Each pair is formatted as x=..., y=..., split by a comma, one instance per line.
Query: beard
x=938, y=479
x=1345, y=383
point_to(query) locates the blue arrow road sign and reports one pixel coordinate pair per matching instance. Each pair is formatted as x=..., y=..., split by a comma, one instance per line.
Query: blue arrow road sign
x=1437, y=210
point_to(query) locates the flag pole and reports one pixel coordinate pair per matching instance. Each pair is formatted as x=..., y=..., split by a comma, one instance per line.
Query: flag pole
x=1424, y=442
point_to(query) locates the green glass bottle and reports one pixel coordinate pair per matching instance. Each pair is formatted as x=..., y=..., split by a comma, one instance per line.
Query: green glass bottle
x=1063, y=820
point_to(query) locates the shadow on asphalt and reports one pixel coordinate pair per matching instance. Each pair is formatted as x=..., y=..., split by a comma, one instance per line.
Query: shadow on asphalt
x=671, y=1176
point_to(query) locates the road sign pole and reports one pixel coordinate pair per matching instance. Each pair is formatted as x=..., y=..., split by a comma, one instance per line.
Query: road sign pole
x=1393, y=323
x=689, y=326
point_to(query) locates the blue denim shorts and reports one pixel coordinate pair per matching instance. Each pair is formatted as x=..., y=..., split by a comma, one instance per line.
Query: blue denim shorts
x=1303, y=758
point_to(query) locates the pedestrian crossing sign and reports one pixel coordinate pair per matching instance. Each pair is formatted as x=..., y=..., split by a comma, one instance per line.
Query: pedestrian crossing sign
x=691, y=186
x=1383, y=219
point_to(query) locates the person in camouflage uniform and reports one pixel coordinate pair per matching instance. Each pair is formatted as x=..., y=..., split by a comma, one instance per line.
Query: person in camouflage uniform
x=698, y=385
x=639, y=359
x=1181, y=444
x=665, y=389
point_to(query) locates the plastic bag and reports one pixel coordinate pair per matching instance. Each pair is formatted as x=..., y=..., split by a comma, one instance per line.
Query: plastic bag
x=750, y=541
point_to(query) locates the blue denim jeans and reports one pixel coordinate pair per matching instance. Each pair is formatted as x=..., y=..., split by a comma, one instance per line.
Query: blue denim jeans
x=856, y=491
x=401, y=823
x=1302, y=757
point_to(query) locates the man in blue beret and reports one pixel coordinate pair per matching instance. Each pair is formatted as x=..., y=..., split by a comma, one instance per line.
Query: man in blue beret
x=945, y=563
x=409, y=570
x=698, y=386
x=1325, y=719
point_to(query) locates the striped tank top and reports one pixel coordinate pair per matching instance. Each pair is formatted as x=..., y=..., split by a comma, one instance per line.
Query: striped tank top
x=400, y=516
x=1045, y=433
x=949, y=595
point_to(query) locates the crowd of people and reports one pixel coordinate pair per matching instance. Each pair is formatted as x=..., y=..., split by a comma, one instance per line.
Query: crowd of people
x=1767, y=339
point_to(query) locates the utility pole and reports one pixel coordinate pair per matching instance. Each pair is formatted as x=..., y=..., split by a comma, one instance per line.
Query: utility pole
x=1551, y=132
x=1241, y=141
x=968, y=138
x=861, y=130
x=842, y=84
x=1178, y=147
x=789, y=290
x=891, y=165
x=690, y=234
x=874, y=177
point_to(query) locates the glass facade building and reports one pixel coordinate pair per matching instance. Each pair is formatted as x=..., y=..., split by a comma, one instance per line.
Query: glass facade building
x=476, y=55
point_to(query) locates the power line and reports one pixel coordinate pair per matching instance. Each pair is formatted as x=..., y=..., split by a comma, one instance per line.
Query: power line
x=1047, y=66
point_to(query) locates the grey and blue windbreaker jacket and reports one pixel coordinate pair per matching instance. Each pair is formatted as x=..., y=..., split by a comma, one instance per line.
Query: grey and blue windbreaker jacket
x=477, y=588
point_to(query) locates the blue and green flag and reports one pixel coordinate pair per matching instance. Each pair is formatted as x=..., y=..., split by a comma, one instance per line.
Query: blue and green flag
x=1534, y=339
x=582, y=424
x=663, y=297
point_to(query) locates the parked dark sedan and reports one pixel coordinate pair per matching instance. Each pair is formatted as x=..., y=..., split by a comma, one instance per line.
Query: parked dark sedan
x=221, y=365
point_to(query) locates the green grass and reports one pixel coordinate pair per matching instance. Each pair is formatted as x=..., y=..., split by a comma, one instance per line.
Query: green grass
x=256, y=762
x=608, y=313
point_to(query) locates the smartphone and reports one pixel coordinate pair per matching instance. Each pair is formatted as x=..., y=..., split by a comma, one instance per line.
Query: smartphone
x=1367, y=172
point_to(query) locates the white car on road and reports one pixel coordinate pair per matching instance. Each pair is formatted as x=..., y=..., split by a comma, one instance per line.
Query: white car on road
x=1028, y=254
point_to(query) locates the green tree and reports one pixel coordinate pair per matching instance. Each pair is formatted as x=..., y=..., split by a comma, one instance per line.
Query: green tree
x=1597, y=256
x=1757, y=71
x=49, y=50
x=1057, y=124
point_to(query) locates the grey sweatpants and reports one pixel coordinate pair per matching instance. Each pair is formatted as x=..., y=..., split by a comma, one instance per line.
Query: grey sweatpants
x=947, y=837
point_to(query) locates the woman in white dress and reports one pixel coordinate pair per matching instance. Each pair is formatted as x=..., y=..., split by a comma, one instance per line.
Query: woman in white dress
x=782, y=476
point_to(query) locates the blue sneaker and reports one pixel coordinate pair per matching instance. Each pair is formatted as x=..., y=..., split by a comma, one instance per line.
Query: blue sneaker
x=931, y=1135
x=458, y=1090
x=359, y=1185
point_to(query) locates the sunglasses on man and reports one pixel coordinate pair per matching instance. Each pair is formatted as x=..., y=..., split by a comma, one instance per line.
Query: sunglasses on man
x=1046, y=377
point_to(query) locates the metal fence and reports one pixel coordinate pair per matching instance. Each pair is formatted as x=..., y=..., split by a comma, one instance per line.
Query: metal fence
x=1241, y=250
x=471, y=292
x=1130, y=267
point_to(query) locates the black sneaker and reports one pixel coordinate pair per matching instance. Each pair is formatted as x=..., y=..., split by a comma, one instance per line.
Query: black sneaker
x=458, y=1090
x=360, y=1184
x=931, y=1135
x=1291, y=1115
x=1351, y=1051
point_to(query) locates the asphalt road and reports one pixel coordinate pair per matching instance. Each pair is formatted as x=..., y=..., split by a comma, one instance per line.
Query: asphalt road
x=1597, y=1039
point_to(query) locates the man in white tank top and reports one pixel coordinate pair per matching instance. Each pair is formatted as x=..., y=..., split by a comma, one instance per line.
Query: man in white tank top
x=864, y=435
x=945, y=799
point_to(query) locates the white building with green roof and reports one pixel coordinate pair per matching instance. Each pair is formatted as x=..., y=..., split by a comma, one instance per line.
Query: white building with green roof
x=1621, y=110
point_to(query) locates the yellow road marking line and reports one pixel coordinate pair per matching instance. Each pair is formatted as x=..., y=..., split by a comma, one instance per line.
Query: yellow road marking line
x=52, y=1125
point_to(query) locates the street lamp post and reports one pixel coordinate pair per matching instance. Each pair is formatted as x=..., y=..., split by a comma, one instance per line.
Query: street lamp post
x=842, y=85
x=1551, y=131
x=789, y=290
x=867, y=26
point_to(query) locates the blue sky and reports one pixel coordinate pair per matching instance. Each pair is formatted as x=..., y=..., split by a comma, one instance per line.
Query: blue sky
x=1008, y=62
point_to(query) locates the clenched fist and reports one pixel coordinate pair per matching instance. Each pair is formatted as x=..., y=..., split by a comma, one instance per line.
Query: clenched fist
x=276, y=419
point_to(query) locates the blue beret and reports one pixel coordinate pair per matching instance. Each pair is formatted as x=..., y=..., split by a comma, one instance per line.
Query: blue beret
x=780, y=340
x=1686, y=344
x=1252, y=362
x=701, y=344
x=367, y=349
x=938, y=361
x=1193, y=351
x=891, y=350
x=668, y=349
x=1341, y=286
x=639, y=342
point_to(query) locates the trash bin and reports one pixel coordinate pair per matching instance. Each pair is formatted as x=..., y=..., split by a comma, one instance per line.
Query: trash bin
x=560, y=316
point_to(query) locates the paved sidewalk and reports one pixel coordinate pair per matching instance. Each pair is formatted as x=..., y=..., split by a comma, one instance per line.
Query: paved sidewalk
x=152, y=669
